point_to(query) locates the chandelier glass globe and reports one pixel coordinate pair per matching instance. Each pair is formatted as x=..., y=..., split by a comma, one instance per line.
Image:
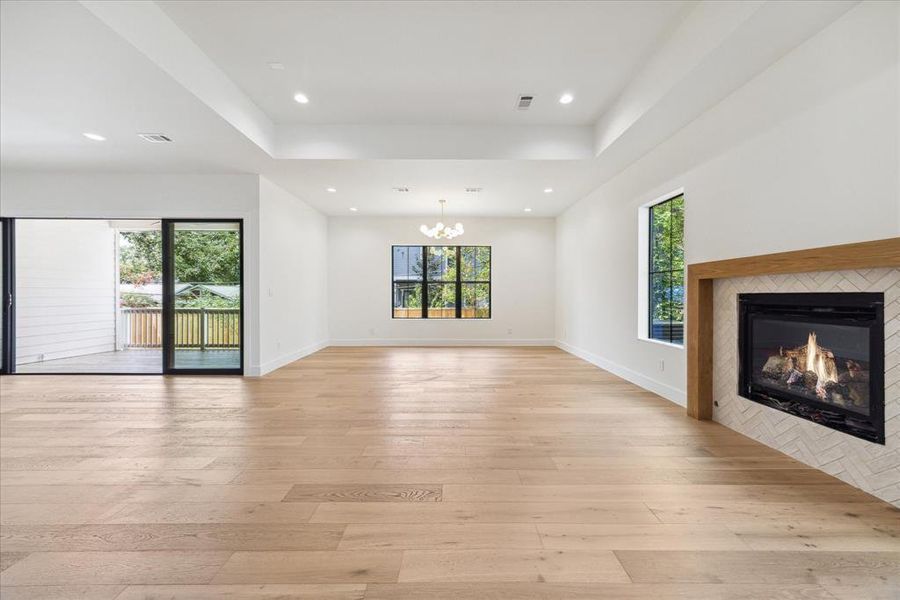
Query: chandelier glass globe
x=441, y=231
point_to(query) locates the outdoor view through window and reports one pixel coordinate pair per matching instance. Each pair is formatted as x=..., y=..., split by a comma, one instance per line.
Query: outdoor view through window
x=206, y=293
x=666, y=322
x=441, y=282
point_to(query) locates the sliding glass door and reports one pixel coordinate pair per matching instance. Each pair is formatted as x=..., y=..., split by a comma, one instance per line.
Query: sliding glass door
x=86, y=296
x=107, y=296
x=203, y=296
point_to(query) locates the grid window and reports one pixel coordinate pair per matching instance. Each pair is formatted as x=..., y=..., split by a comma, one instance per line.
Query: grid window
x=441, y=282
x=666, y=322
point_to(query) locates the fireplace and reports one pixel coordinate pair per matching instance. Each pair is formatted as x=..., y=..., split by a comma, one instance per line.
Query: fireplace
x=817, y=356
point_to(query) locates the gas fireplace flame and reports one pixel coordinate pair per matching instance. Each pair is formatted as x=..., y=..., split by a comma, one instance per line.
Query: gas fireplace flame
x=820, y=361
x=812, y=368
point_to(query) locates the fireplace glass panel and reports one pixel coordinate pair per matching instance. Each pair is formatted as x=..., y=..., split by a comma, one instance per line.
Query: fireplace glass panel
x=819, y=361
x=817, y=356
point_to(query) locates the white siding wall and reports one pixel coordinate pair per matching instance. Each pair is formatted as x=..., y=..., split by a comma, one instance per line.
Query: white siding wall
x=65, y=289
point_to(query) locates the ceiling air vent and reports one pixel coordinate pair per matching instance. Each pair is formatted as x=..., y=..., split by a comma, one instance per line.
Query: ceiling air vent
x=401, y=189
x=473, y=190
x=155, y=138
x=524, y=102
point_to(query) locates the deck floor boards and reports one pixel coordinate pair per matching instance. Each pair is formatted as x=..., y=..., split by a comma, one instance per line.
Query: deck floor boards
x=138, y=361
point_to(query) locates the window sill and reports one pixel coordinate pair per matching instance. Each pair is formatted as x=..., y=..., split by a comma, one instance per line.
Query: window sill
x=661, y=343
x=440, y=320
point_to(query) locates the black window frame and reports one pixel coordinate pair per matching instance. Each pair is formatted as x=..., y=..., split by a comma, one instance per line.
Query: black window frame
x=458, y=282
x=670, y=338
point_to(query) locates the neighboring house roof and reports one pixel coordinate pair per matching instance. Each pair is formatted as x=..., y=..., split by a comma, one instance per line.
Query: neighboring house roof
x=231, y=292
x=154, y=290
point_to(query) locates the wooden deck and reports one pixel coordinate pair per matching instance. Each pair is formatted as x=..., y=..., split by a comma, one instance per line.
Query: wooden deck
x=414, y=473
x=134, y=361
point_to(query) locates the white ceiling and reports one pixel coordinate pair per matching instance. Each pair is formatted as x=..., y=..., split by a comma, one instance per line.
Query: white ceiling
x=63, y=72
x=416, y=94
x=509, y=186
x=427, y=62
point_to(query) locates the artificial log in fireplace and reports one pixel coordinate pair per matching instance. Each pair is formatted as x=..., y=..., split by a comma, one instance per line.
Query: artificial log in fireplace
x=816, y=356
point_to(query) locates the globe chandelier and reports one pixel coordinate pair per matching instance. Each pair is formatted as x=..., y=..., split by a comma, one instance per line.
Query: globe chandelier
x=441, y=231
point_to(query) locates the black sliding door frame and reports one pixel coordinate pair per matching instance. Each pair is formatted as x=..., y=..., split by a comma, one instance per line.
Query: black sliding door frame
x=9, y=298
x=168, y=299
x=8, y=301
x=8, y=312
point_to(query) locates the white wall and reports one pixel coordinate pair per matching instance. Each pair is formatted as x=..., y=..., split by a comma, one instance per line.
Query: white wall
x=124, y=196
x=804, y=155
x=65, y=289
x=292, y=277
x=359, y=292
x=284, y=241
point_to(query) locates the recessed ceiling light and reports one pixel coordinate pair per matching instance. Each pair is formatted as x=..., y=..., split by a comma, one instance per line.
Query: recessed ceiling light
x=276, y=66
x=94, y=136
x=527, y=210
x=330, y=190
x=548, y=190
x=301, y=98
x=353, y=209
x=566, y=99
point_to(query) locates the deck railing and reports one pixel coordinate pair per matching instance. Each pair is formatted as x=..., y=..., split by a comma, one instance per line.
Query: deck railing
x=441, y=313
x=664, y=330
x=201, y=328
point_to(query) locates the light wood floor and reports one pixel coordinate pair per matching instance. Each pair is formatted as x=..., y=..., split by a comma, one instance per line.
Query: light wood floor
x=389, y=473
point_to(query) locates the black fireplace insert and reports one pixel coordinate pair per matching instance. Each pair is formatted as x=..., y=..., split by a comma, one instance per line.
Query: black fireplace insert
x=817, y=356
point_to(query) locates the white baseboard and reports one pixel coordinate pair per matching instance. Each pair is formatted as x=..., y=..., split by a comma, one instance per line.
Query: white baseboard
x=441, y=342
x=657, y=387
x=279, y=362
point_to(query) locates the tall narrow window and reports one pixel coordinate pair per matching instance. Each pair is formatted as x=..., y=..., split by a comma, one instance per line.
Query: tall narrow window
x=475, y=278
x=441, y=282
x=441, y=276
x=666, y=272
x=408, y=272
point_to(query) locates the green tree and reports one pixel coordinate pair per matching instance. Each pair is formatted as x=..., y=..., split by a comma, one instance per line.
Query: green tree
x=667, y=260
x=200, y=257
x=207, y=257
x=140, y=257
x=206, y=299
x=138, y=301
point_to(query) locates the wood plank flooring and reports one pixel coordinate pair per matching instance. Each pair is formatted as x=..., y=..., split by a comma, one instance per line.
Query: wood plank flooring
x=414, y=473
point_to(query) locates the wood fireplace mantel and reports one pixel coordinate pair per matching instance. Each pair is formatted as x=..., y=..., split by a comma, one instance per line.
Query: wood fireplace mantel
x=700, y=277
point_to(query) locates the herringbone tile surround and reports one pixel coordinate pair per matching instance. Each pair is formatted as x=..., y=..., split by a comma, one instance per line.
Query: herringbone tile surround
x=870, y=467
